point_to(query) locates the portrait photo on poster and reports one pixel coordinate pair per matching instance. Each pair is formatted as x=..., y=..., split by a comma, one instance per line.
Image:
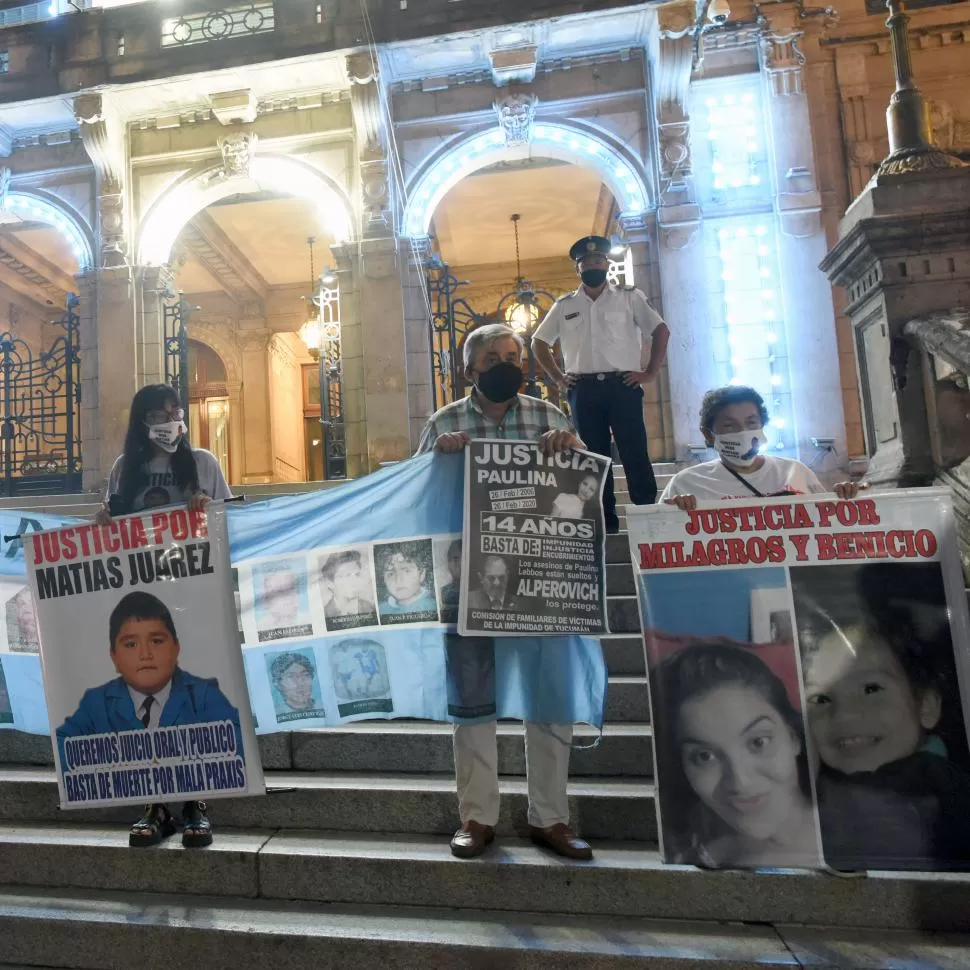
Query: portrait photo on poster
x=406, y=581
x=153, y=690
x=470, y=673
x=885, y=718
x=447, y=567
x=347, y=588
x=733, y=773
x=295, y=685
x=361, y=682
x=281, y=599
x=534, y=541
x=21, y=623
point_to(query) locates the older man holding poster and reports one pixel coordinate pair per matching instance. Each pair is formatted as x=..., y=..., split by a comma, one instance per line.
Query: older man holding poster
x=493, y=364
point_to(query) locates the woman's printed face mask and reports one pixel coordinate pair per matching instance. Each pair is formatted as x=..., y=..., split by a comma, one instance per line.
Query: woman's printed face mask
x=740, y=758
x=166, y=436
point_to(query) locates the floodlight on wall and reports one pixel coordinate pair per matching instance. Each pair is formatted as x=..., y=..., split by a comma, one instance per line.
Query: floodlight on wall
x=548, y=141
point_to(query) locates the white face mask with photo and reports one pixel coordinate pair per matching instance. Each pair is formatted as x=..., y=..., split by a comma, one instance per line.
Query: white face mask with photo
x=740, y=448
x=167, y=435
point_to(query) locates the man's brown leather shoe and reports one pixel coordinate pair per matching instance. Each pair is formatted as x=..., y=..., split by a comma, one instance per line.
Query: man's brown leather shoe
x=562, y=840
x=472, y=839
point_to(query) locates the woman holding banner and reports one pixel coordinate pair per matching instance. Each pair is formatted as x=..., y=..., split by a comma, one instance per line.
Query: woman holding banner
x=735, y=787
x=159, y=467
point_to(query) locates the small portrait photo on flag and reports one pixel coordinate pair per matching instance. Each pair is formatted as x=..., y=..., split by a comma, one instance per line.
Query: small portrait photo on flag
x=296, y=686
x=447, y=561
x=21, y=623
x=361, y=681
x=405, y=582
x=347, y=589
x=282, y=600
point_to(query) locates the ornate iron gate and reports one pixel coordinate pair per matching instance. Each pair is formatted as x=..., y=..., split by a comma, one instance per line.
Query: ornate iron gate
x=331, y=384
x=176, y=315
x=41, y=410
x=451, y=318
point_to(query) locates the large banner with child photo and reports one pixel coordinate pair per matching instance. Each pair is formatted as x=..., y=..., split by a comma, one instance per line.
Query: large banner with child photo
x=142, y=673
x=345, y=601
x=808, y=668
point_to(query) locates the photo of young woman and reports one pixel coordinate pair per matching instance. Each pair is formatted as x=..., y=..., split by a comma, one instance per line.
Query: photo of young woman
x=732, y=768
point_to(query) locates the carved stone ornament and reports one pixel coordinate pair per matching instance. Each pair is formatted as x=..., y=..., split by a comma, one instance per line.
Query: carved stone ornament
x=516, y=115
x=102, y=134
x=365, y=103
x=237, y=154
x=375, y=188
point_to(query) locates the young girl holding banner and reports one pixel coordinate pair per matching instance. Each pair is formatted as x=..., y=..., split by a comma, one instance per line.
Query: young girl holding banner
x=158, y=467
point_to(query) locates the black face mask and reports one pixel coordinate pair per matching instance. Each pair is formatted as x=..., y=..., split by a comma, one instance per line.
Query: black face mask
x=593, y=277
x=500, y=382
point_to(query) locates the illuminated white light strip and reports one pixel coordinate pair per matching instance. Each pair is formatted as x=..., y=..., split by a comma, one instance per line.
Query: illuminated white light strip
x=548, y=140
x=32, y=207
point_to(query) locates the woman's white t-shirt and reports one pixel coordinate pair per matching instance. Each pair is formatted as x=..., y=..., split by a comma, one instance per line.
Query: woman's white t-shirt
x=162, y=489
x=711, y=481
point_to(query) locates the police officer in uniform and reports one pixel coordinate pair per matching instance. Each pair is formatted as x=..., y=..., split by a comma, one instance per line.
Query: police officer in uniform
x=600, y=329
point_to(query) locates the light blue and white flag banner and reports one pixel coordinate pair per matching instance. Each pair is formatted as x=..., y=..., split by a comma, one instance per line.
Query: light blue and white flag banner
x=347, y=604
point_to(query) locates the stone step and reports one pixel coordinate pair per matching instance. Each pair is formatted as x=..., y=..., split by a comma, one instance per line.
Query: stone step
x=623, y=614
x=620, y=580
x=601, y=808
x=117, y=931
x=623, y=880
x=618, y=548
x=423, y=746
x=624, y=654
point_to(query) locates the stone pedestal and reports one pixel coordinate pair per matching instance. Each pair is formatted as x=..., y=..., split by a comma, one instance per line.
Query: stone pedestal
x=904, y=251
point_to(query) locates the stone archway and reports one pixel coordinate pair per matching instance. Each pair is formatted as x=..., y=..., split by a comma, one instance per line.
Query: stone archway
x=69, y=225
x=565, y=141
x=242, y=172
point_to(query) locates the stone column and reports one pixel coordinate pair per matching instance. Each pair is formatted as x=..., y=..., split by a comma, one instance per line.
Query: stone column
x=109, y=376
x=640, y=236
x=680, y=253
x=813, y=373
x=417, y=325
x=152, y=285
x=385, y=354
x=237, y=437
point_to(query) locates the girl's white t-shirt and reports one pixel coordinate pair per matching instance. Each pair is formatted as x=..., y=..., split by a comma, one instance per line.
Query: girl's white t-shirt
x=711, y=481
x=162, y=489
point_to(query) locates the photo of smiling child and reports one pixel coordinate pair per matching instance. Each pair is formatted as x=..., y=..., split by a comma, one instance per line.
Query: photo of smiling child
x=884, y=716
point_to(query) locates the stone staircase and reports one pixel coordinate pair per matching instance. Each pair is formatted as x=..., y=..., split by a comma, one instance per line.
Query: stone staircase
x=346, y=863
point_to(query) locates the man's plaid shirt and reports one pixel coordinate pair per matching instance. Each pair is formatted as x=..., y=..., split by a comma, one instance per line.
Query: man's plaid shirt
x=527, y=420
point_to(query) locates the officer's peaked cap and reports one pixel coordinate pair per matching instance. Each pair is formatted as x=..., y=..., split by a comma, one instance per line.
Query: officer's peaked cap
x=590, y=246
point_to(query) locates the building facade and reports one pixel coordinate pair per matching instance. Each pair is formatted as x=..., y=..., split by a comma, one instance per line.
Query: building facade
x=210, y=180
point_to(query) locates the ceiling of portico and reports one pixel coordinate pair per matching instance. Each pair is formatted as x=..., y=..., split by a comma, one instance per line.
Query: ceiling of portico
x=37, y=270
x=246, y=247
x=558, y=204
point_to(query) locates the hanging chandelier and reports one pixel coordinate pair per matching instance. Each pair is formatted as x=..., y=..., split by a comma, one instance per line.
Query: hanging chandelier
x=520, y=309
x=311, y=333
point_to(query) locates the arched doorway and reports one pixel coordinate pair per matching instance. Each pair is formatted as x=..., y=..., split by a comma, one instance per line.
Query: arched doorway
x=501, y=219
x=43, y=246
x=249, y=247
x=209, y=411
